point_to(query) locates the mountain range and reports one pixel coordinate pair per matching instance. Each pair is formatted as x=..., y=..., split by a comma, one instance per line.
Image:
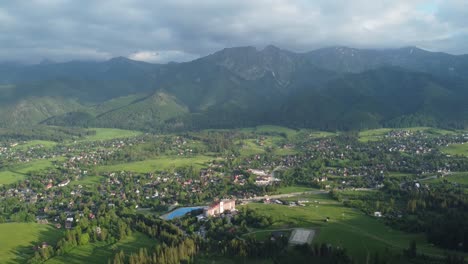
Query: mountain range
x=335, y=88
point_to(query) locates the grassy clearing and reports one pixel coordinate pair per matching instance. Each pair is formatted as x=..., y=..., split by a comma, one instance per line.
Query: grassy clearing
x=158, y=164
x=111, y=133
x=100, y=252
x=89, y=180
x=17, y=240
x=459, y=178
x=456, y=149
x=19, y=172
x=378, y=134
x=373, y=134
x=399, y=174
x=294, y=189
x=34, y=143
x=321, y=134
x=349, y=228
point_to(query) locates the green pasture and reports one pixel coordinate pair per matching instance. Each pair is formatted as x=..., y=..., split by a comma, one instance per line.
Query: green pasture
x=349, y=228
x=18, y=172
x=17, y=240
x=456, y=149
x=110, y=133
x=158, y=164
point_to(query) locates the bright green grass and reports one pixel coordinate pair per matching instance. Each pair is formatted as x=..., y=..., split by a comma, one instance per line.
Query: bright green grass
x=111, y=133
x=456, y=149
x=250, y=147
x=321, y=134
x=158, y=164
x=293, y=189
x=399, y=174
x=285, y=151
x=378, y=134
x=18, y=172
x=17, y=240
x=431, y=130
x=100, y=252
x=373, y=134
x=349, y=228
x=459, y=177
x=33, y=143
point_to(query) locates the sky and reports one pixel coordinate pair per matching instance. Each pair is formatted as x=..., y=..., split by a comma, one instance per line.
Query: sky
x=182, y=30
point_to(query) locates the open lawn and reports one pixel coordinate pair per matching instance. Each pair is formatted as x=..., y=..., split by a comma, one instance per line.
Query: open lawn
x=17, y=240
x=36, y=143
x=18, y=172
x=293, y=189
x=458, y=177
x=100, y=252
x=373, y=134
x=399, y=174
x=111, y=133
x=378, y=134
x=456, y=149
x=158, y=164
x=349, y=228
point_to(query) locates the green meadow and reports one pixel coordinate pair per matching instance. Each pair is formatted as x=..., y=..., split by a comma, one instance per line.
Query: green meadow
x=294, y=189
x=18, y=239
x=456, y=149
x=378, y=134
x=18, y=172
x=111, y=133
x=101, y=252
x=349, y=228
x=458, y=177
x=35, y=143
x=158, y=164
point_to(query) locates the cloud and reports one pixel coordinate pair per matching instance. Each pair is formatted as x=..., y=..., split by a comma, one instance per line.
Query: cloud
x=181, y=30
x=162, y=56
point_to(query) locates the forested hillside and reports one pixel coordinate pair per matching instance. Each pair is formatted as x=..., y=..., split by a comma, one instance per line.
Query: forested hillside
x=334, y=88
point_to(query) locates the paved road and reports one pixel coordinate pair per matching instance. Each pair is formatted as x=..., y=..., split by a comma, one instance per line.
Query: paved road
x=286, y=195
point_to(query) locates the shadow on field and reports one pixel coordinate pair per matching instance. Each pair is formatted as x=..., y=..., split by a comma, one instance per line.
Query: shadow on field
x=24, y=252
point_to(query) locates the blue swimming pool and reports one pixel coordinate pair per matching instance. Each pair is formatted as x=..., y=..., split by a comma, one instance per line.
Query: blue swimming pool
x=181, y=212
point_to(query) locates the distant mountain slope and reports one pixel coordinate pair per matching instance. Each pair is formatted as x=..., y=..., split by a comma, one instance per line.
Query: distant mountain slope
x=330, y=88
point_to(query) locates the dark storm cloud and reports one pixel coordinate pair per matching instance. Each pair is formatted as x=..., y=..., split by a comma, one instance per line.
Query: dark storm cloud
x=161, y=31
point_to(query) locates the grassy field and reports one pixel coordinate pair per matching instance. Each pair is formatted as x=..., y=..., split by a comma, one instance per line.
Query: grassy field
x=378, y=134
x=111, y=133
x=18, y=172
x=158, y=164
x=373, y=134
x=33, y=143
x=17, y=240
x=349, y=228
x=100, y=252
x=459, y=177
x=293, y=189
x=456, y=149
x=399, y=174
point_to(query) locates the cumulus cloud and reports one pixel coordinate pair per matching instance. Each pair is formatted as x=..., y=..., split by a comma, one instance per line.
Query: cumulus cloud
x=180, y=30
